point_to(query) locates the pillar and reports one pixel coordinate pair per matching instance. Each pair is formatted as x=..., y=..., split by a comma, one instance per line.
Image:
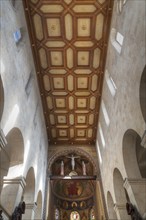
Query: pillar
x=12, y=192
x=30, y=209
x=136, y=189
x=121, y=212
x=100, y=207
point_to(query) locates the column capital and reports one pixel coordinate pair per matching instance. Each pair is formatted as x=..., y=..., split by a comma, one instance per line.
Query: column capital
x=133, y=181
x=18, y=180
x=119, y=206
x=31, y=206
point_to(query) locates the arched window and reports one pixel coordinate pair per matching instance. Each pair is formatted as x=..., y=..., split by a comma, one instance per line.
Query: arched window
x=116, y=40
x=92, y=214
x=74, y=216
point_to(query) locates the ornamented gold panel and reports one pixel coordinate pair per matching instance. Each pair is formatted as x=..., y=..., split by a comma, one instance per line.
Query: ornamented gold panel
x=82, y=83
x=69, y=40
x=58, y=83
x=56, y=58
x=60, y=103
x=83, y=58
x=53, y=26
x=83, y=27
x=61, y=119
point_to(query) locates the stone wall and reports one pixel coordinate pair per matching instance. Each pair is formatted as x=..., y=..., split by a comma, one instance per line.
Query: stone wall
x=22, y=120
x=124, y=67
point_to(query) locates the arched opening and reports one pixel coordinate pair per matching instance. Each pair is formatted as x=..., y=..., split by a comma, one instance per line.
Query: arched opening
x=143, y=93
x=1, y=98
x=38, y=212
x=134, y=155
x=77, y=152
x=110, y=203
x=15, y=147
x=12, y=155
x=118, y=187
x=114, y=42
x=120, y=206
x=71, y=188
x=28, y=196
x=12, y=164
x=141, y=159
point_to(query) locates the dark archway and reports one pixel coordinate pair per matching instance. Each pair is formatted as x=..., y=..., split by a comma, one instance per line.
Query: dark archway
x=1, y=98
x=142, y=93
x=134, y=155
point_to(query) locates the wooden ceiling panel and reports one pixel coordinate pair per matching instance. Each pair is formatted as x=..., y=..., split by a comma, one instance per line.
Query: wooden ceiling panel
x=69, y=41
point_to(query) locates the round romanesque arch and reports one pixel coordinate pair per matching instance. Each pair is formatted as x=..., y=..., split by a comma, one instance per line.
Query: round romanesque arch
x=1, y=98
x=77, y=151
x=29, y=191
x=110, y=204
x=38, y=212
x=134, y=155
x=118, y=187
x=15, y=146
x=12, y=155
x=142, y=93
x=28, y=195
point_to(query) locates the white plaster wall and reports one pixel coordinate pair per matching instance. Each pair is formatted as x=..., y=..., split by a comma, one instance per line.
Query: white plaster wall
x=124, y=108
x=17, y=64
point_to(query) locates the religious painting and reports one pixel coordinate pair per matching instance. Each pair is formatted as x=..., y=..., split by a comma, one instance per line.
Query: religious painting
x=65, y=205
x=73, y=188
x=74, y=205
x=82, y=204
x=92, y=214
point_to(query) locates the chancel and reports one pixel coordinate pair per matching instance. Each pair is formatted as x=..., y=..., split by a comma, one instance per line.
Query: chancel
x=73, y=110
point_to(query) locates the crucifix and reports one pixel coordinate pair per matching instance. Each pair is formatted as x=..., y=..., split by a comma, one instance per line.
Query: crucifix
x=73, y=160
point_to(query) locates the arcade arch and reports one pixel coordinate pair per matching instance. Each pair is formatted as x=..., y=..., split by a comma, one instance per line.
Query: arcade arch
x=118, y=187
x=142, y=92
x=38, y=212
x=134, y=155
x=1, y=98
x=29, y=193
x=110, y=204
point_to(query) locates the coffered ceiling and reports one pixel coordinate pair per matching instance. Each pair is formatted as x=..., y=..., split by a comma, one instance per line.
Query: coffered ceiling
x=69, y=40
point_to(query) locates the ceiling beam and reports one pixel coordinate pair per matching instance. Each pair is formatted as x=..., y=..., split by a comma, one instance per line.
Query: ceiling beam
x=51, y=177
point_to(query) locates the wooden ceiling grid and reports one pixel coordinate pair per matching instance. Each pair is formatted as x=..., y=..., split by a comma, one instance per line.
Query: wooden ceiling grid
x=69, y=43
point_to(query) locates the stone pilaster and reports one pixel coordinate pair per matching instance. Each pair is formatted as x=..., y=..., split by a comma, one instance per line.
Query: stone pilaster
x=30, y=209
x=121, y=211
x=143, y=139
x=136, y=189
x=12, y=192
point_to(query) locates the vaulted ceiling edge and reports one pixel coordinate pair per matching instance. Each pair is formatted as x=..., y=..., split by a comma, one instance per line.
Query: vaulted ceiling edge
x=69, y=43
